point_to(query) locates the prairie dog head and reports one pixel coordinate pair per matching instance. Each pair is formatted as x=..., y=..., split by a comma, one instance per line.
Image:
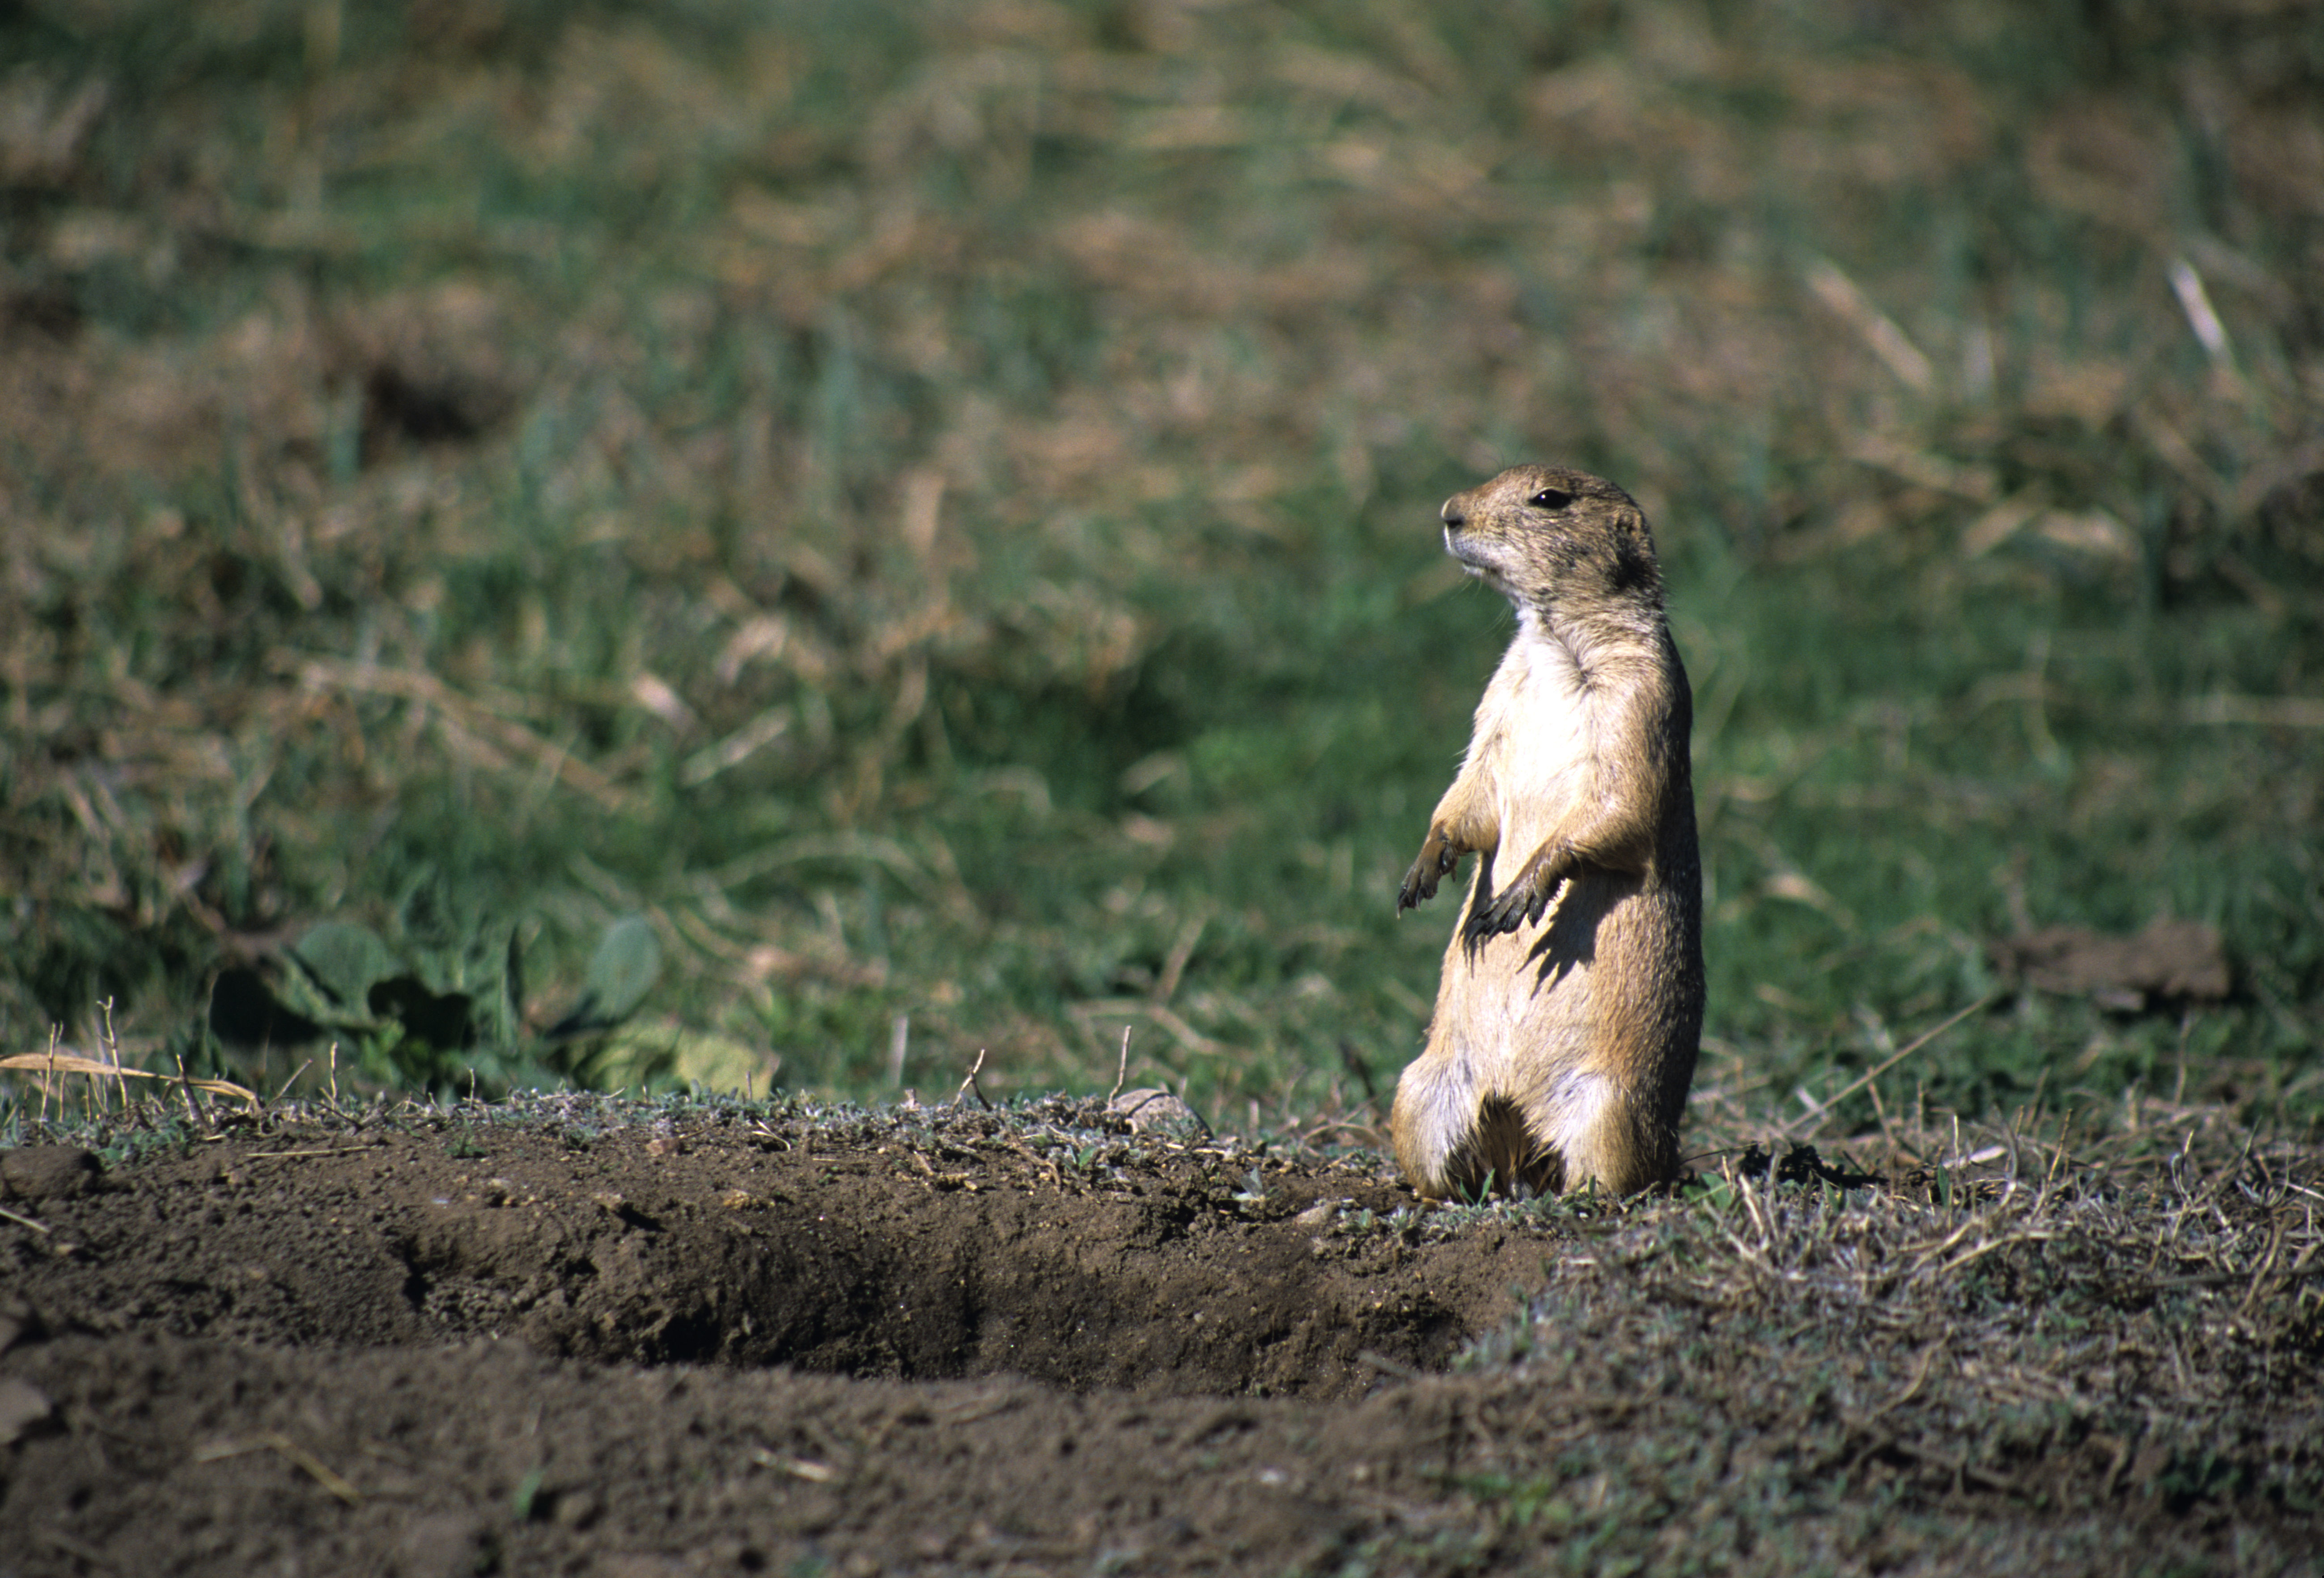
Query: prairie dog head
x=1557, y=541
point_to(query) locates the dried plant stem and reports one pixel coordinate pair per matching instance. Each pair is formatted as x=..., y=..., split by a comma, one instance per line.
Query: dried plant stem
x=969, y=1084
x=1824, y=1108
x=23, y=1221
x=287, y=1083
x=1121, y=1069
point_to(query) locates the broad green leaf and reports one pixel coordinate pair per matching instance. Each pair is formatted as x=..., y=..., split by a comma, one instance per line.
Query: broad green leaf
x=345, y=962
x=623, y=970
x=638, y=1055
x=719, y=1063
x=621, y=973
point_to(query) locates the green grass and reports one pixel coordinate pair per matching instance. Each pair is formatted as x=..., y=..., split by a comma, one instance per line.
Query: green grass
x=938, y=516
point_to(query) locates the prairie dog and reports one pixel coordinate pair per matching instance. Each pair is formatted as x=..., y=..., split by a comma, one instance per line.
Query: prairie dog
x=1570, y=1005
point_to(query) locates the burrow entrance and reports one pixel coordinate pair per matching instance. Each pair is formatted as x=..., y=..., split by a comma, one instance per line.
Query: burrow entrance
x=928, y=1246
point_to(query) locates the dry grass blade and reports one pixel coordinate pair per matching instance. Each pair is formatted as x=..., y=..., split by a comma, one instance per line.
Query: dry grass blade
x=291, y=1453
x=969, y=1087
x=798, y=1468
x=466, y=718
x=98, y=1072
x=2269, y=711
x=1836, y=291
x=1822, y=1110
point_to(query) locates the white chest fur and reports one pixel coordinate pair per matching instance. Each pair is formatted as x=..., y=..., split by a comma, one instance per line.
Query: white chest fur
x=1537, y=719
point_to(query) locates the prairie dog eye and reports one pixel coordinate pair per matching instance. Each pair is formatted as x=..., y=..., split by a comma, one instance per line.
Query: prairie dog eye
x=1550, y=499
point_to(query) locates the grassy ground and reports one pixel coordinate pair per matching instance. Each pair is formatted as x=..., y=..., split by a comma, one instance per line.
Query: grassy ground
x=936, y=512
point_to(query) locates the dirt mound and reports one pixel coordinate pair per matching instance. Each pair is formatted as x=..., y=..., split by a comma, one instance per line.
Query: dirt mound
x=938, y=1245
x=580, y=1336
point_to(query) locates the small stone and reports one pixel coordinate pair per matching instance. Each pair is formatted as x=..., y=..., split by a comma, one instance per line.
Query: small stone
x=1149, y=1111
x=23, y=1406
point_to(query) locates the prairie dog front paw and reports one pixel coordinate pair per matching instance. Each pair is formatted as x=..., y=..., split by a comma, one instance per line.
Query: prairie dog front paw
x=1527, y=898
x=1437, y=859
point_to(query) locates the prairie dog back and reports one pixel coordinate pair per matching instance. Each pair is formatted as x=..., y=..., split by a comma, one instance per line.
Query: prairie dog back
x=1569, y=1007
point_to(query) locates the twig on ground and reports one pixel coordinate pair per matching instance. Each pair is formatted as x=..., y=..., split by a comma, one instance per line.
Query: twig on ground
x=291, y=1453
x=1122, y=1070
x=186, y=1087
x=1907, y=1050
x=969, y=1084
x=1387, y=1366
x=39, y=1227
x=112, y=1044
x=287, y=1083
x=81, y=1549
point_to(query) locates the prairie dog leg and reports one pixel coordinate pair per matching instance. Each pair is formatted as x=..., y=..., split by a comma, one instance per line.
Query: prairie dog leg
x=1615, y=1140
x=1435, y=1112
x=1437, y=860
x=1462, y=824
x=1617, y=837
x=1527, y=897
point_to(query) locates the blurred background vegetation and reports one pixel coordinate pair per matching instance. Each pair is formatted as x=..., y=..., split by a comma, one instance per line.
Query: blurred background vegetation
x=932, y=507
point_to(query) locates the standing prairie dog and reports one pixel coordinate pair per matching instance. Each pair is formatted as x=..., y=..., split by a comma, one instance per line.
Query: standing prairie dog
x=1570, y=1005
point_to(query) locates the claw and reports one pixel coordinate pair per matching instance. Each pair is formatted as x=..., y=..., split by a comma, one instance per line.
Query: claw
x=1487, y=922
x=1420, y=882
x=1418, y=885
x=1521, y=904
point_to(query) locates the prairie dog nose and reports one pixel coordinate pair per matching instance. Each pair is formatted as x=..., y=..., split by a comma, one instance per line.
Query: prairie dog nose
x=1450, y=513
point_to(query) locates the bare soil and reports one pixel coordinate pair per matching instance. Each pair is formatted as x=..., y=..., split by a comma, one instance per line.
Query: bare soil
x=714, y=1342
x=753, y=1340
